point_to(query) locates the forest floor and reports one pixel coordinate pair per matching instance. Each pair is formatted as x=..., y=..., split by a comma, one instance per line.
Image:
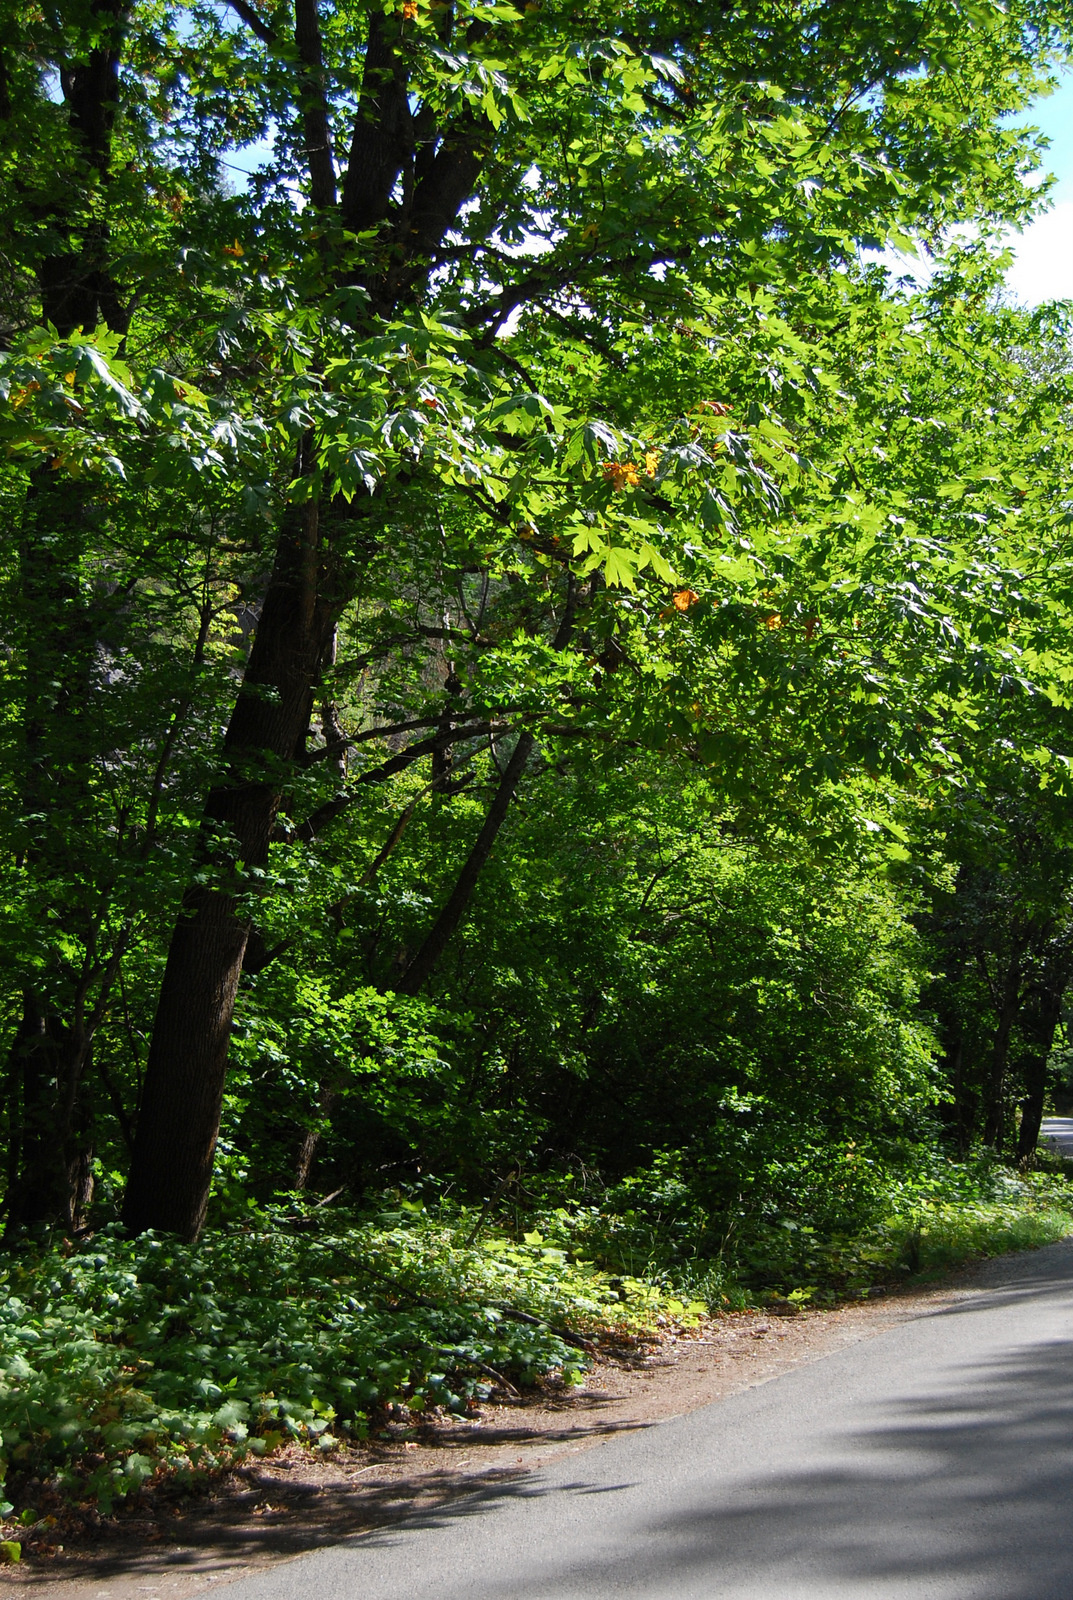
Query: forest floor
x=169, y=1546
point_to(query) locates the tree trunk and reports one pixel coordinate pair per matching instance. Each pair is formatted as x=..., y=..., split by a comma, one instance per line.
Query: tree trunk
x=58, y=643
x=182, y=1097
x=995, y=1089
x=49, y=1170
x=959, y=1114
x=183, y=1090
x=1038, y=1022
x=425, y=961
x=50, y=1162
x=307, y=1147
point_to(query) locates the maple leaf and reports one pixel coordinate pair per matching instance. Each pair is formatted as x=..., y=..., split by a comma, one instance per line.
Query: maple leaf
x=621, y=474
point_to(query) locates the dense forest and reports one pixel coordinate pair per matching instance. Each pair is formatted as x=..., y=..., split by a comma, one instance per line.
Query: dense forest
x=536, y=752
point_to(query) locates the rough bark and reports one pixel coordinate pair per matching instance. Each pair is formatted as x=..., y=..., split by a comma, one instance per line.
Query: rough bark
x=307, y=1146
x=182, y=1095
x=382, y=141
x=184, y=1081
x=315, y=123
x=78, y=289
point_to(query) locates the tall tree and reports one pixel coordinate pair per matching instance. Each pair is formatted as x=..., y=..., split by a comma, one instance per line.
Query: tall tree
x=479, y=182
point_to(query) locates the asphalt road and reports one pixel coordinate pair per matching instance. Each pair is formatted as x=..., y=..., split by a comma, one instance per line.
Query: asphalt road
x=1057, y=1133
x=934, y=1461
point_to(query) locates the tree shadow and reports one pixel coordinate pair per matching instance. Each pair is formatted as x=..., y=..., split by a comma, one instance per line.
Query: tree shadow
x=285, y=1507
x=967, y=1495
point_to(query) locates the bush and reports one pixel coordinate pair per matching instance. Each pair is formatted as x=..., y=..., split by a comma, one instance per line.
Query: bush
x=869, y=1227
x=124, y=1358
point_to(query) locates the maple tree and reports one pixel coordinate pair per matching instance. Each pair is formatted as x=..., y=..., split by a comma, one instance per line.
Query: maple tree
x=510, y=404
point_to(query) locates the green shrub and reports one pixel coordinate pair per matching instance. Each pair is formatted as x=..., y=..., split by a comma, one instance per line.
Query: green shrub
x=122, y=1358
x=866, y=1226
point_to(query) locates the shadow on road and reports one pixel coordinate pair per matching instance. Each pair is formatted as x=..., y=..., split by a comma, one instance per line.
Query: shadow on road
x=966, y=1495
x=976, y=1488
x=286, y=1506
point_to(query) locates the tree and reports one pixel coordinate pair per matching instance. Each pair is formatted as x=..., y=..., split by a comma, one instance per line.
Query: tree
x=464, y=227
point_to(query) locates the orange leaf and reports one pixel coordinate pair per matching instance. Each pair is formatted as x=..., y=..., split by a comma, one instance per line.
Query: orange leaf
x=621, y=474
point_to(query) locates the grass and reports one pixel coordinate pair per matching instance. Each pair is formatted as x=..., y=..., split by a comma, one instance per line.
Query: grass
x=943, y=1215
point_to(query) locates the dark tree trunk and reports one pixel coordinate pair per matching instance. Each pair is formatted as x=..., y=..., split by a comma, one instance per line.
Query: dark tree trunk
x=959, y=1113
x=49, y=1169
x=995, y=1088
x=1037, y=1025
x=37, y=1180
x=59, y=637
x=78, y=289
x=183, y=1090
x=50, y=1163
x=182, y=1097
x=307, y=1146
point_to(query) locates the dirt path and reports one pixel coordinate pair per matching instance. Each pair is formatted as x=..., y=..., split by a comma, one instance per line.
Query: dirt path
x=269, y=1510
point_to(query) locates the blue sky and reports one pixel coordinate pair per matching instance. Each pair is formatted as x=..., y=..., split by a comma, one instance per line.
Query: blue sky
x=1043, y=269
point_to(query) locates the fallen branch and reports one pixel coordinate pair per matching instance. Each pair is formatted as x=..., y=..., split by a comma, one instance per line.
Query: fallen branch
x=512, y=1312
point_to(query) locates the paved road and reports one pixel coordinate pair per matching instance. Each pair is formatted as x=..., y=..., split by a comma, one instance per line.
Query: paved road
x=934, y=1461
x=1058, y=1133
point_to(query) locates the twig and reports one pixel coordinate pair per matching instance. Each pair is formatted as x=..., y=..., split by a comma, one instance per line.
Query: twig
x=488, y=1204
x=496, y=1305
x=478, y=1366
x=538, y=1322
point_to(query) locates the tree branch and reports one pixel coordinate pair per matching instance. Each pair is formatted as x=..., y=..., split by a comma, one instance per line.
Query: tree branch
x=424, y=962
x=550, y=281
x=382, y=139
x=337, y=807
x=254, y=21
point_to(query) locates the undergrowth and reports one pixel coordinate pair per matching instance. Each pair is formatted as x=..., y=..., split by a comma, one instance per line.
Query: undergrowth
x=127, y=1362
x=122, y=1360
x=942, y=1216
